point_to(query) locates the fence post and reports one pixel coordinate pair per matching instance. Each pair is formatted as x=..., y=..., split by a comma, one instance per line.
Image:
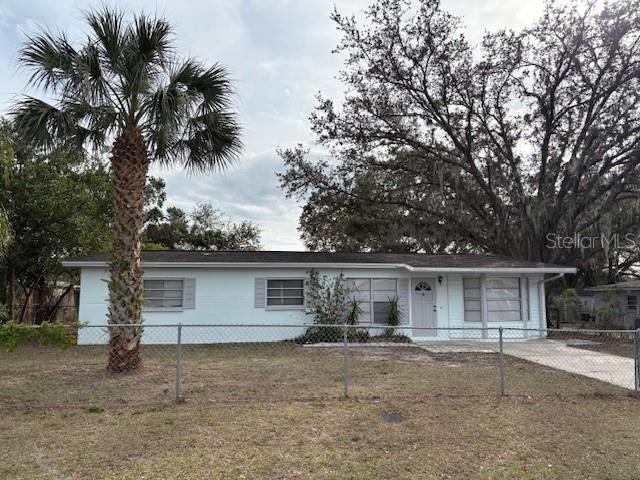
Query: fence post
x=636, y=362
x=345, y=366
x=502, y=385
x=179, y=364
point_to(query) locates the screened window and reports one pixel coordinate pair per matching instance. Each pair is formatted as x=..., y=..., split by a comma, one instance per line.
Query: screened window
x=164, y=293
x=373, y=296
x=632, y=303
x=503, y=299
x=283, y=293
x=472, y=300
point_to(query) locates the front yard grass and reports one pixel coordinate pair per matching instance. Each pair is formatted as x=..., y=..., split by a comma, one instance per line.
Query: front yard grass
x=274, y=411
x=461, y=438
x=44, y=377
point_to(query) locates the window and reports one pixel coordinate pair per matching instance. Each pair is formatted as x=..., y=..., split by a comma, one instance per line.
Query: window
x=373, y=297
x=632, y=303
x=472, y=300
x=285, y=293
x=503, y=299
x=164, y=293
x=361, y=290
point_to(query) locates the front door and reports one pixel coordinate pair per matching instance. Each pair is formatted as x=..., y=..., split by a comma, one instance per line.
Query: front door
x=423, y=307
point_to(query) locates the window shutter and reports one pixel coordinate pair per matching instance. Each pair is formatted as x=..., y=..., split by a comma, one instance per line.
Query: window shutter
x=189, y=293
x=259, y=297
x=403, y=300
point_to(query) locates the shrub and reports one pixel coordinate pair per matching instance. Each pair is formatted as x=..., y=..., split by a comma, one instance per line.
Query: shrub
x=394, y=317
x=354, y=313
x=13, y=335
x=568, y=305
x=329, y=303
x=332, y=335
x=608, y=311
x=328, y=299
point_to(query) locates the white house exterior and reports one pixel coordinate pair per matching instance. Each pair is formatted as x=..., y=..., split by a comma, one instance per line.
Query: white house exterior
x=436, y=293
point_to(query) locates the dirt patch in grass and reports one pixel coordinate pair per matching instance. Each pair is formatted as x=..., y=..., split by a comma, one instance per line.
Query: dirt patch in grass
x=377, y=354
x=449, y=438
x=477, y=359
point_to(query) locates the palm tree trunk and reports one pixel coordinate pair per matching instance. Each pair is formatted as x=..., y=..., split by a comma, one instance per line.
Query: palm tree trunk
x=130, y=163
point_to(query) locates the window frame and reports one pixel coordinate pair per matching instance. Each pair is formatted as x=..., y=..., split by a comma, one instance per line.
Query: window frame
x=285, y=307
x=148, y=308
x=372, y=300
x=478, y=299
x=488, y=299
x=523, y=299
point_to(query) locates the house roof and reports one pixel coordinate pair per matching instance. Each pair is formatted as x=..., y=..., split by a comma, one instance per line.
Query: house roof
x=421, y=262
x=632, y=285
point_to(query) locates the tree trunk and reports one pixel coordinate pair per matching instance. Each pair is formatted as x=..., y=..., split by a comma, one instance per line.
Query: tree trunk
x=4, y=285
x=130, y=164
x=11, y=295
x=611, y=271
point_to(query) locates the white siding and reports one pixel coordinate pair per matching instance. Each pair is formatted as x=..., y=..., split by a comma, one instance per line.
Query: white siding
x=224, y=296
x=227, y=296
x=535, y=317
x=455, y=301
x=442, y=303
x=403, y=300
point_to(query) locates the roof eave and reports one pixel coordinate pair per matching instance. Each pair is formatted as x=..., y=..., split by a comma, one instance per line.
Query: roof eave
x=612, y=288
x=546, y=269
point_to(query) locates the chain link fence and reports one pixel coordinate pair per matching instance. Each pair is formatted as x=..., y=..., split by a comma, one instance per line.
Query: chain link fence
x=270, y=363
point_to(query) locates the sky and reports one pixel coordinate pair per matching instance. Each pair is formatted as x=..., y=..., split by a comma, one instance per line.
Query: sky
x=279, y=55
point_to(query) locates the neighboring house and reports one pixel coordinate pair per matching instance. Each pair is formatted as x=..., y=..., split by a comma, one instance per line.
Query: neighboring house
x=434, y=292
x=616, y=305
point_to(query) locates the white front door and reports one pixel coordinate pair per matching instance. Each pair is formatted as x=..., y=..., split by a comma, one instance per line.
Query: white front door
x=423, y=307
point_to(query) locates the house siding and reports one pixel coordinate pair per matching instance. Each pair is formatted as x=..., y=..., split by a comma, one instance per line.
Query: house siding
x=223, y=296
x=455, y=301
x=227, y=296
x=623, y=318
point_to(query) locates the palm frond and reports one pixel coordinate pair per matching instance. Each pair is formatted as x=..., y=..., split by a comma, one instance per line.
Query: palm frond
x=107, y=25
x=47, y=125
x=146, y=48
x=97, y=121
x=210, y=142
x=189, y=120
x=49, y=57
x=151, y=39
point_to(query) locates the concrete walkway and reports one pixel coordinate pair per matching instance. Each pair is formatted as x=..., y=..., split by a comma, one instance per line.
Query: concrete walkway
x=612, y=369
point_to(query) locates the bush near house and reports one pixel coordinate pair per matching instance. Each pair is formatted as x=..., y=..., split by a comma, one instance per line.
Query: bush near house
x=332, y=303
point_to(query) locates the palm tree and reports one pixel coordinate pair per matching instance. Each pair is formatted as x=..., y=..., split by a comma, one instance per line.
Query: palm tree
x=126, y=84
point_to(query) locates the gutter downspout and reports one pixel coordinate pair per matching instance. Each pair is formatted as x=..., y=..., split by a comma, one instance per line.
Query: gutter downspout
x=543, y=302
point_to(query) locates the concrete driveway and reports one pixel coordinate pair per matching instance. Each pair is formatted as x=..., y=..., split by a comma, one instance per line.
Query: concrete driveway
x=612, y=369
